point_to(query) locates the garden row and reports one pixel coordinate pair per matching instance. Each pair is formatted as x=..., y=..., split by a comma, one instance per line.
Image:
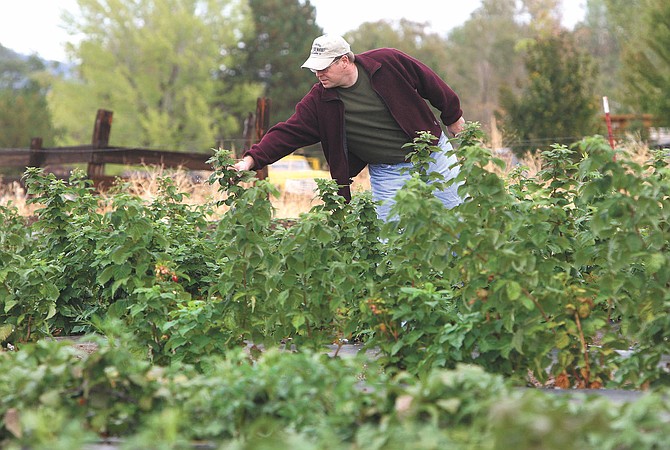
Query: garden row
x=550, y=276
x=55, y=398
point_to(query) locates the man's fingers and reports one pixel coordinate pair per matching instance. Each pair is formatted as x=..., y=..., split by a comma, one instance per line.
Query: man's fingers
x=245, y=163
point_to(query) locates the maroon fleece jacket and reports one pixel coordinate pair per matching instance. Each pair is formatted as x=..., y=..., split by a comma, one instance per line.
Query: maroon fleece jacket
x=401, y=81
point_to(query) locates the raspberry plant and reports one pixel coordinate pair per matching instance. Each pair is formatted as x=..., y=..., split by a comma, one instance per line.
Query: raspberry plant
x=563, y=276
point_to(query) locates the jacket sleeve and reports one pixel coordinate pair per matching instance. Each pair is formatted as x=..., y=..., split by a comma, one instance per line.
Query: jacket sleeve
x=430, y=86
x=300, y=130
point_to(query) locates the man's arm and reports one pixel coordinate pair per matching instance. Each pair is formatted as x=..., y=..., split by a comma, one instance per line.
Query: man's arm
x=430, y=86
x=300, y=130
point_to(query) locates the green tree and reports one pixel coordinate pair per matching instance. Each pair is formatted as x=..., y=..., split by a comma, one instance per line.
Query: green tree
x=556, y=103
x=647, y=61
x=273, y=50
x=598, y=36
x=545, y=16
x=153, y=63
x=23, y=106
x=413, y=38
x=481, y=58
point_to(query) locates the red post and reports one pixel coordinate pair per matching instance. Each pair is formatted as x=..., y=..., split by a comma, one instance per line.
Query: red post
x=608, y=120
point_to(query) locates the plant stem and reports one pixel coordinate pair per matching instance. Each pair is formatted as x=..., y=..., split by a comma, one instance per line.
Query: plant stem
x=584, y=349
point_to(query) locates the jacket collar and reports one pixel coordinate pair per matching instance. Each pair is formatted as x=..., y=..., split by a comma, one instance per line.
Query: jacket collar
x=370, y=65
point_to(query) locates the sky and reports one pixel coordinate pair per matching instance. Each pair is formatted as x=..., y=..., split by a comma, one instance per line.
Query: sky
x=34, y=26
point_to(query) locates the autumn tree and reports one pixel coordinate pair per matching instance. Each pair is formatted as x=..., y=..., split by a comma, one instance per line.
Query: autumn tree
x=556, y=103
x=153, y=63
x=413, y=38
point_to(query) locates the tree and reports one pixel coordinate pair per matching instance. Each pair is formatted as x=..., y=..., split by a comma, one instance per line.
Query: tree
x=273, y=50
x=23, y=106
x=481, y=57
x=556, y=104
x=598, y=36
x=647, y=61
x=408, y=36
x=153, y=63
x=545, y=16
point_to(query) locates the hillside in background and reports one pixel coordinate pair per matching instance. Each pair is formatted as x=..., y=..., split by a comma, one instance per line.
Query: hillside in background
x=25, y=81
x=18, y=66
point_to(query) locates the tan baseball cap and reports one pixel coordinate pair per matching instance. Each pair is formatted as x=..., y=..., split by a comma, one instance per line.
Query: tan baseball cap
x=324, y=51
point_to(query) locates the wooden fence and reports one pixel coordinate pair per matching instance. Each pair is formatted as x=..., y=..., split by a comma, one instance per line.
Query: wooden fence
x=99, y=152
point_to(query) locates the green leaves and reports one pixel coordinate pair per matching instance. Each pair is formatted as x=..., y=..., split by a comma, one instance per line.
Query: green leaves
x=550, y=275
x=324, y=402
x=513, y=290
x=526, y=266
x=546, y=260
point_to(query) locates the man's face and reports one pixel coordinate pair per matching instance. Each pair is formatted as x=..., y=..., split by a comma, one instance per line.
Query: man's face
x=333, y=75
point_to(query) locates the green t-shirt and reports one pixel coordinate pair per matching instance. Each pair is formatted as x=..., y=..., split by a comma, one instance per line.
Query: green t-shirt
x=372, y=133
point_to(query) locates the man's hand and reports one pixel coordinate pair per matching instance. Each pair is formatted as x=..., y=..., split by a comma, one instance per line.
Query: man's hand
x=245, y=163
x=456, y=127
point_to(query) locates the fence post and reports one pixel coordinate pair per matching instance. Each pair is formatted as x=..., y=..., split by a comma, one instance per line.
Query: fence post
x=36, y=155
x=262, y=125
x=100, y=140
x=247, y=133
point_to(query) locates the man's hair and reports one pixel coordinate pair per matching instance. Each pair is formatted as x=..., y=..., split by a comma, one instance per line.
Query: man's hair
x=350, y=56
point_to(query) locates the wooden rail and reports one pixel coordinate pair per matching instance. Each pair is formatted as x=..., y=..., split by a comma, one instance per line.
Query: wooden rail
x=99, y=152
x=622, y=122
x=98, y=157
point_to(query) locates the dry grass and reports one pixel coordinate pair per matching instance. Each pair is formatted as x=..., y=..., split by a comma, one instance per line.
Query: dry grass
x=289, y=206
x=292, y=205
x=146, y=185
x=13, y=195
x=637, y=151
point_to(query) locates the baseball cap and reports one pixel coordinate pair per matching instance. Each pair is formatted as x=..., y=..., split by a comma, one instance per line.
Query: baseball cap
x=324, y=51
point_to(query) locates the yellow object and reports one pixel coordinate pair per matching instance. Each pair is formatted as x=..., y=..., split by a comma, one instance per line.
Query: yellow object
x=314, y=162
x=293, y=174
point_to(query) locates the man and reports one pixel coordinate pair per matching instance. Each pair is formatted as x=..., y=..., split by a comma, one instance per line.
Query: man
x=364, y=108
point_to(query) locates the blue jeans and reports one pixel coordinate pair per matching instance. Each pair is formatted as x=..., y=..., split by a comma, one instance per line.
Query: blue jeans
x=387, y=179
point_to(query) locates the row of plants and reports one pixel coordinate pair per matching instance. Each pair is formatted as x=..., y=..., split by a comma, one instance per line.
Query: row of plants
x=61, y=399
x=561, y=276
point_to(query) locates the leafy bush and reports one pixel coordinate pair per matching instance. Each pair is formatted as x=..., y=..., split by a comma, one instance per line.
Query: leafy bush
x=563, y=271
x=283, y=397
x=561, y=277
